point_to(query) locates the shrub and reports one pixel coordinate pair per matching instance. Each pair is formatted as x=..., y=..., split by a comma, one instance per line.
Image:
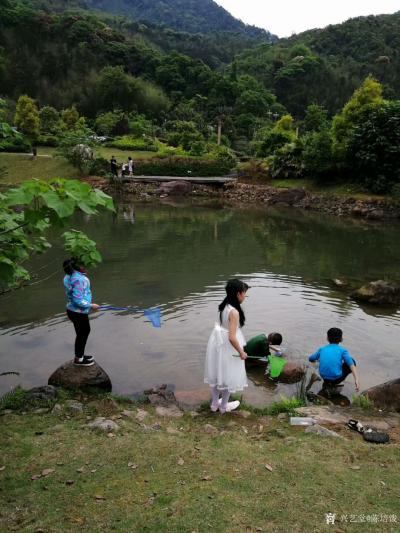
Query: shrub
x=47, y=140
x=11, y=140
x=98, y=167
x=181, y=166
x=373, y=153
x=287, y=162
x=255, y=169
x=131, y=143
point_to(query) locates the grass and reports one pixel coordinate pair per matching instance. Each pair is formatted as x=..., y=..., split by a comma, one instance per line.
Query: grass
x=363, y=402
x=184, y=479
x=343, y=190
x=20, y=167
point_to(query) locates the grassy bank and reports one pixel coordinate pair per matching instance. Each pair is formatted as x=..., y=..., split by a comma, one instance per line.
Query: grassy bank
x=47, y=165
x=237, y=474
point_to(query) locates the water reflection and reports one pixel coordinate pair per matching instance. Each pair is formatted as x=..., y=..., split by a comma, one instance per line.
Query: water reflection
x=178, y=258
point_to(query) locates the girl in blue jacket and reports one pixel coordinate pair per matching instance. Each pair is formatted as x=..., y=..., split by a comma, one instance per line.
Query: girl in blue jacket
x=79, y=304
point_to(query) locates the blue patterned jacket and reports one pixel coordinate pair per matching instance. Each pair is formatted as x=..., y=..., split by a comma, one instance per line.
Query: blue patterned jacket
x=77, y=290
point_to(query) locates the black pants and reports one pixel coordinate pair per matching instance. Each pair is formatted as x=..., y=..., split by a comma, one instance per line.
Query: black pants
x=346, y=370
x=82, y=330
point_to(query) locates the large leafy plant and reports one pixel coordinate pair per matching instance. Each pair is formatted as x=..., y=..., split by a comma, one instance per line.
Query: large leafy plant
x=28, y=211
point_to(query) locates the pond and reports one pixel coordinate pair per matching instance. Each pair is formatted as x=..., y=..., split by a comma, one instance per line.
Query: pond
x=178, y=257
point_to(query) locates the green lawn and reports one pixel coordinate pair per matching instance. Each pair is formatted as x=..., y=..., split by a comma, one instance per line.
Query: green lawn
x=177, y=477
x=47, y=165
x=344, y=190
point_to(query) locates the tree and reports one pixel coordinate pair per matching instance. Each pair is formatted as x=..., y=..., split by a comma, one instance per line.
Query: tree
x=282, y=133
x=27, y=117
x=106, y=123
x=318, y=160
x=77, y=147
x=49, y=120
x=316, y=118
x=41, y=205
x=373, y=153
x=70, y=117
x=368, y=95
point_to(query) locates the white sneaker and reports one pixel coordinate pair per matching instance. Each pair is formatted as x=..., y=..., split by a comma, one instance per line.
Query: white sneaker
x=214, y=408
x=231, y=406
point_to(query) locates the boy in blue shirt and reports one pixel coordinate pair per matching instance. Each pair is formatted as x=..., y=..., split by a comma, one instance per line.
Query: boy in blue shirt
x=335, y=362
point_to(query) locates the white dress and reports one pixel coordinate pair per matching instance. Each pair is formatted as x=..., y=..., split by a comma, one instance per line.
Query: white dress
x=222, y=370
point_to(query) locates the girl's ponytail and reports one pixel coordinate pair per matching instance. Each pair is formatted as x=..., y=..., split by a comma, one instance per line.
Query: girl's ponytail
x=233, y=287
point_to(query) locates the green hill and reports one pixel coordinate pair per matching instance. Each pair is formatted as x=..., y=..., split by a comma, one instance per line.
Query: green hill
x=195, y=16
x=326, y=65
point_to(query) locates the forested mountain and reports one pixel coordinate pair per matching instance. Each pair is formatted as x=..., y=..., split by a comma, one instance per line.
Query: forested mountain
x=189, y=16
x=195, y=16
x=326, y=65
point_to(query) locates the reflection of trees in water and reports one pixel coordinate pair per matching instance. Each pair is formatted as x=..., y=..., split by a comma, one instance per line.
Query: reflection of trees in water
x=170, y=253
x=316, y=248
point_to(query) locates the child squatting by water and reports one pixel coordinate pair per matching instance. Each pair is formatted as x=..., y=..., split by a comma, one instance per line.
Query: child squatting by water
x=224, y=373
x=335, y=362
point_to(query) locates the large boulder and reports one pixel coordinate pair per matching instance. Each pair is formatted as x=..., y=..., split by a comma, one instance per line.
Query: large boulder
x=175, y=188
x=386, y=396
x=288, y=196
x=86, y=378
x=292, y=372
x=378, y=293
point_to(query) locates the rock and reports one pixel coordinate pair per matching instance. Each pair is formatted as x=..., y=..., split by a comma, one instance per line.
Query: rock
x=69, y=376
x=288, y=196
x=386, y=396
x=292, y=372
x=376, y=214
x=102, y=424
x=321, y=431
x=378, y=293
x=174, y=188
x=41, y=411
x=210, y=429
x=128, y=414
x=169, y=412
x=57, y=409
x=161, y=396
x=57, y=428
x=75, y=406
x=172, y=431
x=282, y=416
x=141, y=415
x=188, y=400
x=324, y=414
x=242, y=414
x=47, y=393
x=7, y=412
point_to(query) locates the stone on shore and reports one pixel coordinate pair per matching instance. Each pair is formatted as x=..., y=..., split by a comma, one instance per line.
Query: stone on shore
x=386, y=395
x=175, y=188
x=70, y=376
x=171, y=411
x=322, y=432
x=288, y=196
x=103, y=424
x=378, y=293
x=292, y=372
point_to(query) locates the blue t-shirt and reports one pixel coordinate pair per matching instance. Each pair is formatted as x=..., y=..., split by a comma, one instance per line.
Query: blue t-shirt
x=331, y=358
x=77, y=290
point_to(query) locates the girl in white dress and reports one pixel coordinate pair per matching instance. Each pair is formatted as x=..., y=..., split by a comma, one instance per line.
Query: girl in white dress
x=223, y=372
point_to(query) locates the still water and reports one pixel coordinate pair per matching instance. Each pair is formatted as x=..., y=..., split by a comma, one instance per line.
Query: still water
x=178, y=257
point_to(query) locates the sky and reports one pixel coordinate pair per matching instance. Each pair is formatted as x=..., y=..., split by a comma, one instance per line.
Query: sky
x=285, y=17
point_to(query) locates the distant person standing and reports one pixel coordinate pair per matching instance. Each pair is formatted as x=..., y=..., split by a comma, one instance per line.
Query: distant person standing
x=131, y=166
x=114, y=167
